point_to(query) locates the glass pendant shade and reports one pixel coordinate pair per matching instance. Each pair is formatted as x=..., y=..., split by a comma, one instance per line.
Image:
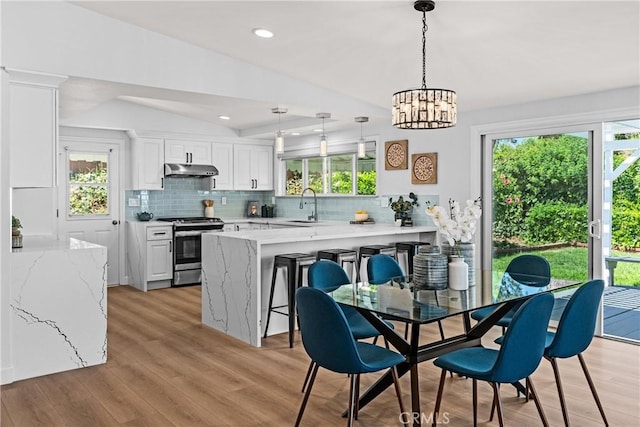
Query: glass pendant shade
x=323, y=146
x=362, y=149
x=323, y=138
x=279, y=143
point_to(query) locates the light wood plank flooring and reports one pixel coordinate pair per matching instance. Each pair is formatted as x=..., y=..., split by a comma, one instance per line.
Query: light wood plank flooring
x=166, y=369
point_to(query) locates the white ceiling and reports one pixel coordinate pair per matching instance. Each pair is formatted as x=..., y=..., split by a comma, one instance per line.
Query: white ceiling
x=492, y=53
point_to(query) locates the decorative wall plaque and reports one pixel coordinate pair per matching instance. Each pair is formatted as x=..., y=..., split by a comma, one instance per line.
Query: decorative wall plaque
x=424, y=168
x=395, y=154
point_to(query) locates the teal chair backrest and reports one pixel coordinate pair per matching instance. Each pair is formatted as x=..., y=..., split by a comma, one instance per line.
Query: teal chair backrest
x=327, y=275
x=578, y=321
x=381, y=268
x=524, y=342
x=326, y=336
x=533, y=270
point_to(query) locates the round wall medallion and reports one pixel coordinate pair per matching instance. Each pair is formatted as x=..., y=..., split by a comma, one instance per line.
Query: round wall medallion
x=424, y=168
x=395, y=154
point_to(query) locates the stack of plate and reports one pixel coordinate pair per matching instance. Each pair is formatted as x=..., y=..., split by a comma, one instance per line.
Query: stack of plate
x=430, y=271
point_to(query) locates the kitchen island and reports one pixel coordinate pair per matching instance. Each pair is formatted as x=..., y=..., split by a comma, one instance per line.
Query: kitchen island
x=58, y=306
x=237, y=266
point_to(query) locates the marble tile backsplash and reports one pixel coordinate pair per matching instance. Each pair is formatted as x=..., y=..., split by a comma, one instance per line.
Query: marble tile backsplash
x=183, y=197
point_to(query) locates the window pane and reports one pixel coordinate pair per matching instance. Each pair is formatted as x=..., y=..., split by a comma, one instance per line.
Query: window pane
x=88, y=183
x=314, y=174
x=341, y=174
x=294, y=177
x=367, y=175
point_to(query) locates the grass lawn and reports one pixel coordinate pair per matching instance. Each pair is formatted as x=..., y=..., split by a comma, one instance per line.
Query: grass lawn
x=571, y=263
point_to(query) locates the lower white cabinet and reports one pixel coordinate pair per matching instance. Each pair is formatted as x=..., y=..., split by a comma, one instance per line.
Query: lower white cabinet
x=159, y=260
x=252, y=167
x=149, y=255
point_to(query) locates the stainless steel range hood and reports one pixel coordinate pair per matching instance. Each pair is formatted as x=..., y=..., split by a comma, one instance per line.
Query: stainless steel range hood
x=176, y=169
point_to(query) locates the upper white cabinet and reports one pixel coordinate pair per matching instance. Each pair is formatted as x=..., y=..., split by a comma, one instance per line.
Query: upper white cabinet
x=33, y=128
x=252, y=167
x=187, y=152
x=147, y=160
x=222, y=159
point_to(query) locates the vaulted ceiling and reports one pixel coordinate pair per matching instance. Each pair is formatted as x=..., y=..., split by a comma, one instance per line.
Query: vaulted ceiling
x=492, y=53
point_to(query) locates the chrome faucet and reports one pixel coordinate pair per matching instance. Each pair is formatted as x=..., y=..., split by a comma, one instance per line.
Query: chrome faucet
x=314, y=213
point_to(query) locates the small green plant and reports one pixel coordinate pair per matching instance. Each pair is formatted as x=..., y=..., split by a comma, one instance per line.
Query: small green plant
x=15, y=226
x=402, y=205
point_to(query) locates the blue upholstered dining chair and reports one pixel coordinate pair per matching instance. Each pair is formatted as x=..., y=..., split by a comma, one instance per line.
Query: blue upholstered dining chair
x=328, y=276
x=574, y=334
x=531, y=270
x=329, y=342
x=381, y=268
x=520, y=354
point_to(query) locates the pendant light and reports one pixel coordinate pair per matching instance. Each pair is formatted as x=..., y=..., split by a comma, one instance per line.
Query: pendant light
x=424, y=108
x=362, y=149
x=279, y=139
x=323, y=138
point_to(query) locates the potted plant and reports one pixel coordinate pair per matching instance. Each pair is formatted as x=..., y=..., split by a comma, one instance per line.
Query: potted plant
x=16, y=235
x=403, y=207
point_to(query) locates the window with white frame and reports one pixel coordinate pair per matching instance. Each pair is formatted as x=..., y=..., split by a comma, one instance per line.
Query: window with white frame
x=336, y=174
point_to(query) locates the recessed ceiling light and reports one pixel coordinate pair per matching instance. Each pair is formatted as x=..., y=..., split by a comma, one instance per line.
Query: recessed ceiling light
x=262, y=32
x=224, y=117
x=317, y=130
x=295, y=133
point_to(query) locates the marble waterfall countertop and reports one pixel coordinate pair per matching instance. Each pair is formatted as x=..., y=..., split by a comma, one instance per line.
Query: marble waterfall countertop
x=237, y=268
x=58, y=305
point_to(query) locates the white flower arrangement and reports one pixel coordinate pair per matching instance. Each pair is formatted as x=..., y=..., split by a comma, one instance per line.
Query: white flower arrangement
x=456, y=225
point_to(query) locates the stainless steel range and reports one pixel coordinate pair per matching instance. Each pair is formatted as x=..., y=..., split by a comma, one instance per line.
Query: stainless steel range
x=187, y=258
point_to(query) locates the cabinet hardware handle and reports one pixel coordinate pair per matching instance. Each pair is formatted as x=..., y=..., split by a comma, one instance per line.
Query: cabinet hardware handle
x=190, y=157
x=214, y=183
x=170, y=246
x=187, y=154
x=159, y=233
x=115, y=222
x=161, y=182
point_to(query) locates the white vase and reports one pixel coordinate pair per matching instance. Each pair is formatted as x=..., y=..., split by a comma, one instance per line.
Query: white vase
x=458, y=274
x=208, y=212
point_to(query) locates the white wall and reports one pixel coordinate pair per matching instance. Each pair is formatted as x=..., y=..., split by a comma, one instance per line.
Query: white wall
x=458, y=169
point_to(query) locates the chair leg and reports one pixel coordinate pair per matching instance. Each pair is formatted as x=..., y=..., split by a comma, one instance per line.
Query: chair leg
x=563, y=403
x=307, y=394
x=274, y=275
x=443, y=375
x=593, y=388
x=352, y=400
x=536, y=399
x=474, y=394
x=306, y=378
x=496, y=401
x=396, y=383
x=356, y=401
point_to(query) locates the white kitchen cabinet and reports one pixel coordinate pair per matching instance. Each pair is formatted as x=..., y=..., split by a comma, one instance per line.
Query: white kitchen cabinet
x=222, y=159
x=149, y=255
x=187, y=152
x=159, y=260
x=252, y=167
x=33, y=128
x=147, y=163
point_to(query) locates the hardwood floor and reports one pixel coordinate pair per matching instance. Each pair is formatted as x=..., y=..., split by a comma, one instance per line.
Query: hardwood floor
x=165, y=368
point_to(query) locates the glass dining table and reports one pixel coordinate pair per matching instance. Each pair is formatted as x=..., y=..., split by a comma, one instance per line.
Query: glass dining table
x=402, y=300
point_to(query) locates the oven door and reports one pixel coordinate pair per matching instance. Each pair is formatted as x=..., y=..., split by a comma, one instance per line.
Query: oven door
x=186, y=248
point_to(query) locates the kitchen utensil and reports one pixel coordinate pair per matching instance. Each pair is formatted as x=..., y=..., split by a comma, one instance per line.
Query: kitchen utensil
x=208, y=210
x=144, y=216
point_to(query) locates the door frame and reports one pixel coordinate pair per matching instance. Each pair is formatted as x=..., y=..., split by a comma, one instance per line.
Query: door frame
x=118, y=192
x=592, y=122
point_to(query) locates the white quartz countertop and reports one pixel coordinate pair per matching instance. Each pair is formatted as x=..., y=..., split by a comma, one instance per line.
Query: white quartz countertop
x=323, y=231
x=50, y=243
